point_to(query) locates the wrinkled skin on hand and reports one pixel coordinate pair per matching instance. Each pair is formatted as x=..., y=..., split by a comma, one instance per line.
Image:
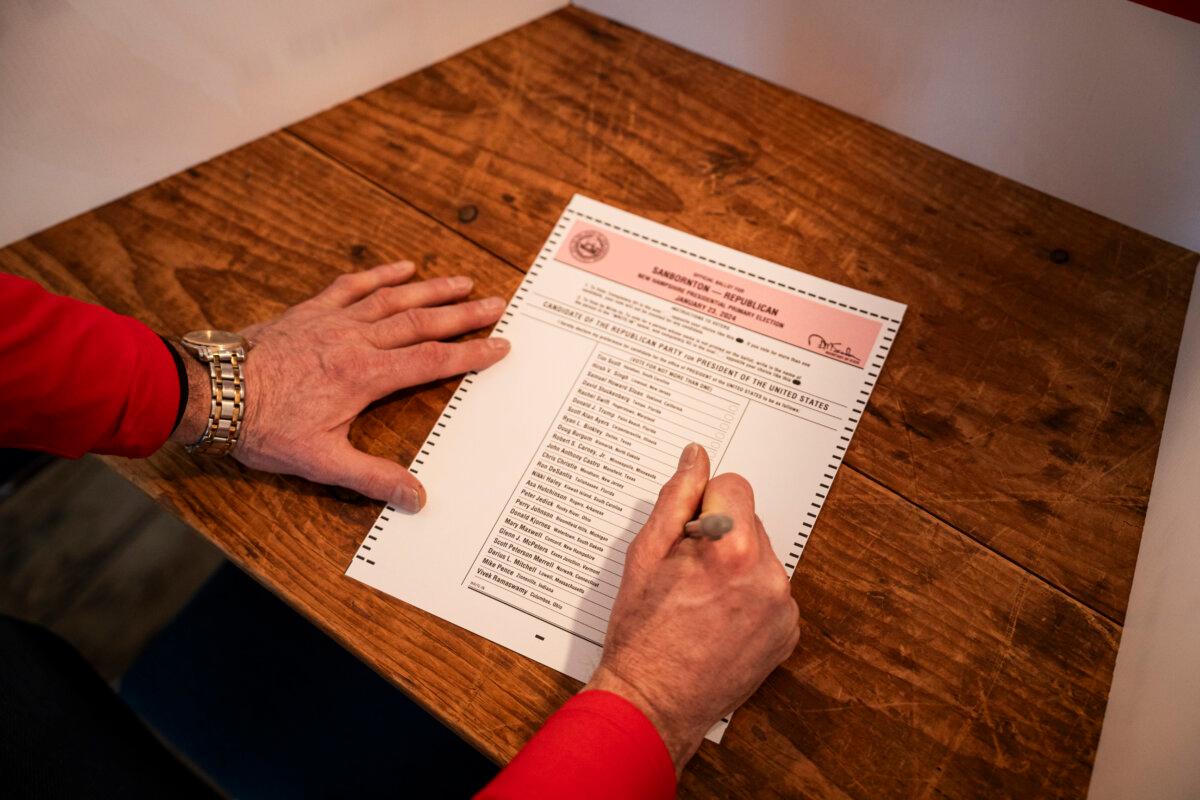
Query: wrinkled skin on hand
x=697, y=625
x=314, y=368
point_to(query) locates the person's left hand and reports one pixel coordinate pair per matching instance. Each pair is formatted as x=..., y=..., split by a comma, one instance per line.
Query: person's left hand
x=313, y=369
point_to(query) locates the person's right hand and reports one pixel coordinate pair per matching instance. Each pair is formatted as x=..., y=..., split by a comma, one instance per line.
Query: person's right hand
x=697, y=625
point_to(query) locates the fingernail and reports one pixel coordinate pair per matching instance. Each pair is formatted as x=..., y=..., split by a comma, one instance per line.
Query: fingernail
x=409, y=500
x=498, y=344
x=689, y=455
x=461, y=283
x=490, y=305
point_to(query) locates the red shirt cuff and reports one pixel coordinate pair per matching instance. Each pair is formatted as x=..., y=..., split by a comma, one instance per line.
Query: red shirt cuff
x=598, y=745
x=79, y=378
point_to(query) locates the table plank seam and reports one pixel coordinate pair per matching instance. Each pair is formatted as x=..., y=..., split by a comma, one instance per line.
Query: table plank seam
x=349, y=169
x=1032, y=573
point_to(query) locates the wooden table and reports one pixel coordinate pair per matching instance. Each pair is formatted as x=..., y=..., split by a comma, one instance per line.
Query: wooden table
x=964, y=589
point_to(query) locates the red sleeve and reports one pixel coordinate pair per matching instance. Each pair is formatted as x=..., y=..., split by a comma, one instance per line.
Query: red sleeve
x=598, y=745
x=77, y=378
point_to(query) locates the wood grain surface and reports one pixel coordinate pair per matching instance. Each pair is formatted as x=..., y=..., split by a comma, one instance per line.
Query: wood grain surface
x=1024, y=398
x=963, y=588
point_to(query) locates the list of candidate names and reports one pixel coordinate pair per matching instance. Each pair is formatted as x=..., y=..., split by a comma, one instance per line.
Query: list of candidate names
x=557, y=550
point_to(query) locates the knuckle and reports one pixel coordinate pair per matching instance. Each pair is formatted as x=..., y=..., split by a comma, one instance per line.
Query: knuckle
x=477, y=351
x=793, y=636
x=635, y=554
x=737, y=553
x=788, y=645
x=740, y=484
x=669, y=491
x=419, y=321
x=631, y=553
x=429, y=355
x=373, y=303
x=377, y=304
x=338, y=334
x=478, y=311
x=731, y=480
x=679, y=488
x=347, y=280
x=393, y=296
x=780, y=588
x=734, y=487
x=362, y=481
x=390, y=484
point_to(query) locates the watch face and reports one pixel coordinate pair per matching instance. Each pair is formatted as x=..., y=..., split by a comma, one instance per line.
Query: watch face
x=216, y=339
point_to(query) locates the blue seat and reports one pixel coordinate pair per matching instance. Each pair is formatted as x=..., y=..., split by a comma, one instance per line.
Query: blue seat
x=270, y=707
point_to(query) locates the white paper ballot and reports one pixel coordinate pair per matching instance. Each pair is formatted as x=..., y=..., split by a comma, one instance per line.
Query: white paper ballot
x=629, y=340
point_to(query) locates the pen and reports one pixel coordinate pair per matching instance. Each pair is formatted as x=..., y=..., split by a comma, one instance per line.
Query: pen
x=709, y=526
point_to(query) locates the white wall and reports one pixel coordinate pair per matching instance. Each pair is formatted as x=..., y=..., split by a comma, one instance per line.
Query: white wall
x=1151, y=735
x=100, y=97
x=1093, y=101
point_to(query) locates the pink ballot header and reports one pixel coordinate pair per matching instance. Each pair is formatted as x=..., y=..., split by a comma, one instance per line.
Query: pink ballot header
x=809, y=324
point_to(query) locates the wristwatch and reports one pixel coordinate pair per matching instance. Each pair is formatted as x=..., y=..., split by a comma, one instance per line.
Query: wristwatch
x=224, y=353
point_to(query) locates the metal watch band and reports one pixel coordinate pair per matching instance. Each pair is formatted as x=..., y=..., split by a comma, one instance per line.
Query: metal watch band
x=228, y=407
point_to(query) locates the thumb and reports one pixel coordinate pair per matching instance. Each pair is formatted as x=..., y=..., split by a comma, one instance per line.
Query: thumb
x=677, y=503
x=375, y=477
